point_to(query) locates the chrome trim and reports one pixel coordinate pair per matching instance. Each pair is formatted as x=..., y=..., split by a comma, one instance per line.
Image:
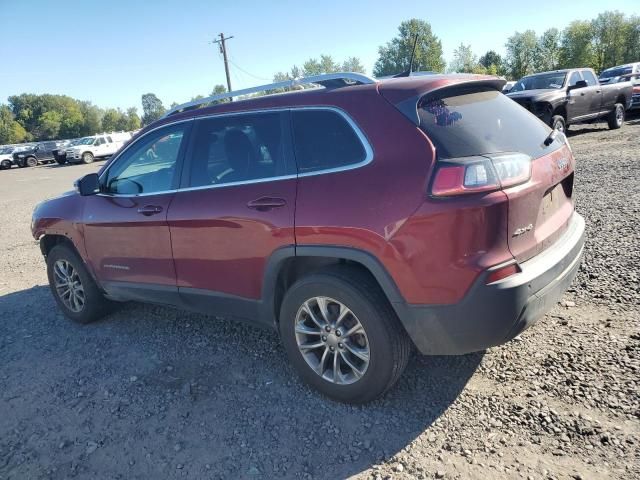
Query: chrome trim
x=356, y=78
x=361, y=136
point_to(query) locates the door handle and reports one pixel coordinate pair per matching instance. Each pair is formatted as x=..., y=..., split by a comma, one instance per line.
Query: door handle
x=149, y=210
x=263, y=204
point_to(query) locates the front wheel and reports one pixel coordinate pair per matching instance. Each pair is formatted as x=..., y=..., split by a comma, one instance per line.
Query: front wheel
x=616, y=117
x=87, y=157
x=31, y=162
x=61, y=160
x=342, y=336
x=5, y=165
x=558, y=123
x=72, y=287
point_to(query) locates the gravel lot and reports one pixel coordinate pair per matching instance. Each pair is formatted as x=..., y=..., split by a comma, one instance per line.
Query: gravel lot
x=151, y=392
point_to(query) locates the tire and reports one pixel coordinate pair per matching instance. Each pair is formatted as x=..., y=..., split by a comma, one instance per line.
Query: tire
x=382, y=336
x=5, y=165
x=61, y=160
x=31, y=162
x=558, y=123
x=616, y=117
x=93, y=304
x=87, y=157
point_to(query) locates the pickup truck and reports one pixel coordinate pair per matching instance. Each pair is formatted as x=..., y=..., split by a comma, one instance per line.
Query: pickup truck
x=39, y=153
x=98, y=146
x=565, y=97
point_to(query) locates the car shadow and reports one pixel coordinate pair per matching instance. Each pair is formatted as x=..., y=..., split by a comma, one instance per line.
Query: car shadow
x=196, y=393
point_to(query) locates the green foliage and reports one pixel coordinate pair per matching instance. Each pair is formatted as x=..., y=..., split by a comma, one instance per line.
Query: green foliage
x=10, y=130
x=609, y=35
x=464, y=61
x=548, y=50
x=577, y=49
x=152, y=108
x=395, y=56
x=521, y=53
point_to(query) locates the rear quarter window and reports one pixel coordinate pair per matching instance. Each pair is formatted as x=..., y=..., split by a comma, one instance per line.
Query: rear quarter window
x=324, y=139
x=463, y=123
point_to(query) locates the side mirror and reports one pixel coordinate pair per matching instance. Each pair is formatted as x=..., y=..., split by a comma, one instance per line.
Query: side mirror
x=579, y=84
x=88, y=185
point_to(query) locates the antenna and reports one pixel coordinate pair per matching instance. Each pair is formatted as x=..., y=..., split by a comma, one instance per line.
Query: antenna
x=413, y=54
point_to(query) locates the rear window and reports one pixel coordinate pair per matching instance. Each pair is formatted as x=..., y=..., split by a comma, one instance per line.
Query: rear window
x=482, y=122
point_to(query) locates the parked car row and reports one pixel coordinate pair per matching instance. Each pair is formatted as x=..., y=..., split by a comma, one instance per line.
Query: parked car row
x=80, y=150
x=565, y=97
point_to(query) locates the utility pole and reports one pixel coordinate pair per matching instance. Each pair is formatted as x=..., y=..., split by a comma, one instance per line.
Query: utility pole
x=223, y=51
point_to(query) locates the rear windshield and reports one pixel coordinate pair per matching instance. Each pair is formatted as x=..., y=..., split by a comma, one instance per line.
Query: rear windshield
x=482, y=122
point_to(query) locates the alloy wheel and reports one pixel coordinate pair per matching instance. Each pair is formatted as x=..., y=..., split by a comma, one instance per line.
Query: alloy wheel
x=68, y=285
x=332, y=340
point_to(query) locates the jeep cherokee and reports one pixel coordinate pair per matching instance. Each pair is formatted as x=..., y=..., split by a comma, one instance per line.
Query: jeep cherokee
x=358, y=220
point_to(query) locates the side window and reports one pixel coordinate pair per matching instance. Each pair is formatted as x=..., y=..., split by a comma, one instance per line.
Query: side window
x=149, y=165
x=109, y=139
x=238, y=148
x=323, y=139
x=589, y=77
x=574, y=78
x=100, y=141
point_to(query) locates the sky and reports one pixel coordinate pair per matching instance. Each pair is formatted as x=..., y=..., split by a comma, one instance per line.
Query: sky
x=111, y=53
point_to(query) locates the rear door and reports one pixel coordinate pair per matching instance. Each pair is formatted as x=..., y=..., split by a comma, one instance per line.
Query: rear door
x=464, y=125
x=126, y=232
x=235, y=209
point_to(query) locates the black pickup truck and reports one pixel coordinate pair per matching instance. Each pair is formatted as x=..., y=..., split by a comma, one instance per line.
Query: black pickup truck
x=40, y=153
x=566, y=97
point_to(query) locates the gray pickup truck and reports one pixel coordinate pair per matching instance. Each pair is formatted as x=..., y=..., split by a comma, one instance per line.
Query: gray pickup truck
x=566, y=97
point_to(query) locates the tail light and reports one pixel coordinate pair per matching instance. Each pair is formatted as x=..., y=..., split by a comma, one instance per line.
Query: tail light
x=480, y=174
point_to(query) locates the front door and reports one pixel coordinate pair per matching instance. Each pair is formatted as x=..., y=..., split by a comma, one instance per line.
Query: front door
x=579, y=99
x=126, y=231
x=236, y=209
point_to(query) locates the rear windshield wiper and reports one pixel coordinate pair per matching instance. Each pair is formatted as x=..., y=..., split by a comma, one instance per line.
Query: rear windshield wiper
x=550, y=138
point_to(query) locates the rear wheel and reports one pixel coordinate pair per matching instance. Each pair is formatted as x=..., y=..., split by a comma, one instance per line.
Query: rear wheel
x=342, y=336
x=5, y=165
x=74, y=290
x=558, y=123
x=61, y=160
x=616, y=117
x=31, y=162
x=87, y=157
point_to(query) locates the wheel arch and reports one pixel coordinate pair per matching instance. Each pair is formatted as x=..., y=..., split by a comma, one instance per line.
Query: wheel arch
x=50, y=240
x=288, y=264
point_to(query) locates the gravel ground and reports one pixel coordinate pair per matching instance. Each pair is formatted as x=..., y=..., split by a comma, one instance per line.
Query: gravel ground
x=151, y=392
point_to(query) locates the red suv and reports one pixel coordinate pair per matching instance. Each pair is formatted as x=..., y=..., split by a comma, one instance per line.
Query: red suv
x=358, y=220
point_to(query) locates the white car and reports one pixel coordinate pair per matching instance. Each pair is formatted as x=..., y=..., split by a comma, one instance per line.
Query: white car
x=97, y=146
x=6, y=159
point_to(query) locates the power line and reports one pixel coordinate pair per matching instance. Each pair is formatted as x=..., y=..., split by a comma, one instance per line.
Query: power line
x=248, y=73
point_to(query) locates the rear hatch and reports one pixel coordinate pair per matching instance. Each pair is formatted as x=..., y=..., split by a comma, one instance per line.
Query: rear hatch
x=487, y=142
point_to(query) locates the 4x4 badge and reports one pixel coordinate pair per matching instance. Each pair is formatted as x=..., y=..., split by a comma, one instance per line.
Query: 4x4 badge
x=563, y=164
x=523, y=230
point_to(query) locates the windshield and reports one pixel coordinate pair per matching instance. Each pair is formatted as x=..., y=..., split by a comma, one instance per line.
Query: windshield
x=86, y=141
x=535, y=82
x=615, y=72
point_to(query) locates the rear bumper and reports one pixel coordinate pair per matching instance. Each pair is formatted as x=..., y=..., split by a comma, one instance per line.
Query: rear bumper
x=493, y=314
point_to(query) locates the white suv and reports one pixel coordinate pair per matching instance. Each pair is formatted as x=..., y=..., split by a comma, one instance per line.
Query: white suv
x=98, y=146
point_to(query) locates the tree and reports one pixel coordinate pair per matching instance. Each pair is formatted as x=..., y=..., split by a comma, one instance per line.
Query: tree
x=547, y=55
x=609, y=36
x=490, y=58
x=395, y=56
x=352, y=64
x=112, y=120
x=92, y=119
x=521, y=51
x=49, y=124
x=313, y=66
x=464, y=61
x=10, y=130
x=152, y=108
x=576, y=49
x=132, y=120
x=632, y=40
x=217, y=90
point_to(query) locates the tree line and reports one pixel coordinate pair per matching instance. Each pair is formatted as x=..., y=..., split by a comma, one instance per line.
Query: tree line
x=611, y=38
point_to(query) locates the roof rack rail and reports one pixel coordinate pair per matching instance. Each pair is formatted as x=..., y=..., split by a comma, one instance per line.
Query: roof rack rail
x=327, y=80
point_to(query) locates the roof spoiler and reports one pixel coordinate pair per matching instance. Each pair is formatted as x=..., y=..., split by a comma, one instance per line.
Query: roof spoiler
x=409, y=106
